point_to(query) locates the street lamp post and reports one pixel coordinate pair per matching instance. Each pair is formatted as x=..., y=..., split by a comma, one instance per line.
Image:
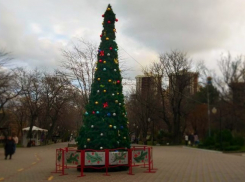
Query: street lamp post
x=134, y=133
x=214, y=111
x=152, y=132
x=209, y=82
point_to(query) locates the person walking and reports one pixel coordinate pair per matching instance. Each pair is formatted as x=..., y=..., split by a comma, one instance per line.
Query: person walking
x=9, y=147
x=196, y=139
x=186, y=139
x=16, y=141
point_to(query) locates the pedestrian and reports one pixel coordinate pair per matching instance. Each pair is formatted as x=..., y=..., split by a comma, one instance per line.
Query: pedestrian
x=191, y=139
x=71, y=139
x=9, y=147
x=196, y=139
x=16, y=141
x=186, y=139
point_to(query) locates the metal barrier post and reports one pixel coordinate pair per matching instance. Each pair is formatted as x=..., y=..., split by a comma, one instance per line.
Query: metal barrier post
x=63, y=163
x=82, y=155
x=65, y=155
x=149, y=162
x=152, y=160
x=130, y=171
x=144, y=160
x=56, y=170
x=106, y=162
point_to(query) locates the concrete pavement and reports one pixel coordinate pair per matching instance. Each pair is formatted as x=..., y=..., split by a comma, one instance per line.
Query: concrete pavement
x=175, y=164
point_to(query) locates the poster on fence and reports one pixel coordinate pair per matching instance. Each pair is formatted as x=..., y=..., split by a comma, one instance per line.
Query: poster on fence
x=117, y=158
x=94, y=158
x=72, y=158
x=139, y=156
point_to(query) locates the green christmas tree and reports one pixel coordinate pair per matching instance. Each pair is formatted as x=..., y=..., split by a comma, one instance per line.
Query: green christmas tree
x=105, y=122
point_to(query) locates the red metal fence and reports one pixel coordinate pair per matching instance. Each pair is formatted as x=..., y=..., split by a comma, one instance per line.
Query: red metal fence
x=67, y=158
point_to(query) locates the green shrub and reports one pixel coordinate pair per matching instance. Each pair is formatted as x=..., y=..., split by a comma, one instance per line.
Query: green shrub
x=217, y=145
x=209, y=141
x=232, y=148
x=239, y=141
x=229, y=143
x=225, y=144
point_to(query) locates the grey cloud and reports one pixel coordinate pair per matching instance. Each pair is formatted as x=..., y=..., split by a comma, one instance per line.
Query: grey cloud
x=186, y=25
x=145, y=28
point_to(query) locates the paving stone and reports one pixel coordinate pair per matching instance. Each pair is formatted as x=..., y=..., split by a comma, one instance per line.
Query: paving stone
x=175, y=164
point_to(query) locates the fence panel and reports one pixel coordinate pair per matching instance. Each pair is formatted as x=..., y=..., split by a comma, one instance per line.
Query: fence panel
x=139, y=155
x=72, y=158
x=117, y=158
x=94, y=158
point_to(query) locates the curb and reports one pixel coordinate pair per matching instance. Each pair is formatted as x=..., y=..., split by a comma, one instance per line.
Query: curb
x=205, y=150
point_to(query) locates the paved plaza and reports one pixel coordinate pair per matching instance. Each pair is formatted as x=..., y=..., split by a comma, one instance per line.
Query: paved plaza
x=175, y=164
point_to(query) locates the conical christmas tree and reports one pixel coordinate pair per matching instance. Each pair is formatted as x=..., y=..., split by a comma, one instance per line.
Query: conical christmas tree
x=105, y=122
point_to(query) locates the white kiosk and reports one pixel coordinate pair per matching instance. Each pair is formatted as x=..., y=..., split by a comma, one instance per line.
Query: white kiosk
x=36, y=135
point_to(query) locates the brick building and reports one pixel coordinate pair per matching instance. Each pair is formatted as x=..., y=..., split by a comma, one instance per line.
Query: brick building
x=184, y=82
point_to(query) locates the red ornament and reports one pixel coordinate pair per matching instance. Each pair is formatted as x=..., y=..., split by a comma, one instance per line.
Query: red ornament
x=93, y=112
x=102, y=53
x=109, y=21
x=110, y=48
x=105, y=104
x=118, y=81
x=100, y=35
x=100, y=61
x=103, y=15
x=116, y=19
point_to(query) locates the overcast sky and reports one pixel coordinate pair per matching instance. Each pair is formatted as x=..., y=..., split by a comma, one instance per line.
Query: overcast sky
x=35, y=31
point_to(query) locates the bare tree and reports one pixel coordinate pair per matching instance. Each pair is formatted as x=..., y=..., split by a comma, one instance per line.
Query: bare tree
x=56, y=94
x=232, y=85
x=174, y=91
x=9, y=88
x=31, y=95
x=19, y=115
x=80, y=63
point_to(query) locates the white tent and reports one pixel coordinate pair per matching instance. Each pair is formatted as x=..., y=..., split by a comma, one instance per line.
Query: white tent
x=34, y=128
x=36, y=135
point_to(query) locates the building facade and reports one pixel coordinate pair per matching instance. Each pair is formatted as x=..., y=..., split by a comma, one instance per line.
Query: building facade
x=184, y=82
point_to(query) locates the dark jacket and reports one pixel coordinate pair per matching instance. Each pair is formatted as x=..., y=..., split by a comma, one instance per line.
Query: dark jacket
x=9, y=147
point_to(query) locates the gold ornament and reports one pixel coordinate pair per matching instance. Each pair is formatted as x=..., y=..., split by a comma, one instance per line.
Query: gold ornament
x=88, y=139
x=96, y=102
x=124, y=137
x=119, y=70
x=104, y=33
x=107, y=38
x=114, y=82
x=109, y=80
x=108, y=9
x=102, y=23
x=96, y=68
x=104, y=91
x=117, y=93
x=114, y=30
x=98, y=79
x=116, y=101
x=116, y=61
x=110, y=126
x=104, y=62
